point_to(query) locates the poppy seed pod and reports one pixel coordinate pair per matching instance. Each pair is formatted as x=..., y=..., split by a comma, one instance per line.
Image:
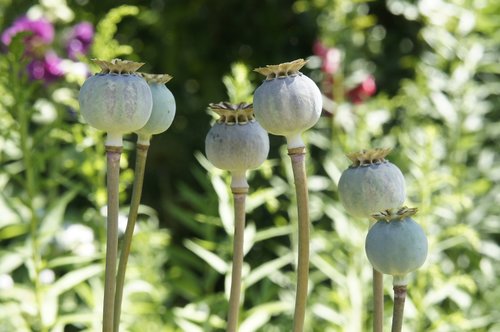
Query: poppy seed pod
x=163, y=112
x=287, y=103
x=371, y=184
x=116, y=100
x=396, y=244
x=236, y=142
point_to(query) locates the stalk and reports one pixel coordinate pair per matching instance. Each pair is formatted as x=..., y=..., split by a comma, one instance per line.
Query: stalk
x=239, y=194
x=297, y=156
x=140, y=165
x=378, y=298
x=378, y=301
x=113, y=154
x=399, y=304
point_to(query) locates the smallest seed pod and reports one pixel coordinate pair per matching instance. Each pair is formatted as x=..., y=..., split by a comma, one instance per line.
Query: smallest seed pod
x=396, y=244
x=163, y=111
x=236, y=142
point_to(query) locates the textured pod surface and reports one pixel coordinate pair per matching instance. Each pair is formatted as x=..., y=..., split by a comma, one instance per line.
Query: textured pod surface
x=116, y=103
x=237, y=147
x=369, y=187
x=163, y=112
x=396, y=247
x=287, y=102
x=117, y=100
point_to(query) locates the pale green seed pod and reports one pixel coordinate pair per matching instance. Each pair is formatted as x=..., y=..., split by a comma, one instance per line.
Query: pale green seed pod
x=116, y=100
x=371, y=184
x=236, y=142
x=163, y=112
x=396, y=244
x=288, y=102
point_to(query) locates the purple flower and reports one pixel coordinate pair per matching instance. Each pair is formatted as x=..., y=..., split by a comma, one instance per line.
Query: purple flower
x=47, y=68
x=42, y=32
x=79, y=40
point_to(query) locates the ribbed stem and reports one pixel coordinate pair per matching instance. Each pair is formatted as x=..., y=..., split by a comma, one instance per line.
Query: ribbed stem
x=239, y=195
x=297, y=156
x=378, y=301
x=113, y=154
x=399, y=305
x=140, y=165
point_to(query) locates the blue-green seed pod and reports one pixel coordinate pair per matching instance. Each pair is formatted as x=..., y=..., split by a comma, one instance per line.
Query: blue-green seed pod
x=163, y=112
x=371, y=184
x=116, y=100
x=396, y=244
x=236, y=142
x=287, y=103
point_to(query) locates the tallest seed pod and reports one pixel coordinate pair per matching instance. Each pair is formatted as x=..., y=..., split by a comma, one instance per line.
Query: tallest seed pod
x=288, y=102
x=117, y=100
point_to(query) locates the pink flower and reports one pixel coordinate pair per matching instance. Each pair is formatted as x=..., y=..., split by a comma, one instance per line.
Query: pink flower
x=47, y=68
x=331, y=60
x=330, y=57
x=80, y=40
x=363, y=91
x=42, y=32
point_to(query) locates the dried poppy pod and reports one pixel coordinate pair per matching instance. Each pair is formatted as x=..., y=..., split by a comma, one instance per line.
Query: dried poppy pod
x=288, y=102
x=371, y=184
x=117, y=100
x=236, y=142
x=163, y=112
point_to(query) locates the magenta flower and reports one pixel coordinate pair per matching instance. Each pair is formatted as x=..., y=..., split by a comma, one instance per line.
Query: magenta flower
x=42, y=33
x=47, y=68
x=79, y=40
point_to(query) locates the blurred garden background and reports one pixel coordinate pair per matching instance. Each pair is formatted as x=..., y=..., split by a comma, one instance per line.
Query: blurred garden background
x=421, y=77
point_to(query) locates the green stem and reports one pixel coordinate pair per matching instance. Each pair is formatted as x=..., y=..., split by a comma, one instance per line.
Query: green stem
x=399, y=305
x=378, y=301
x=378, y=298
x=113, y=154
x=140, y=165
x=297, y=156
x=239, y=228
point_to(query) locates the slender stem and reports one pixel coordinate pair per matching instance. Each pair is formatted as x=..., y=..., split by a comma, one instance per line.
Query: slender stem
x=378, y=297
x=140, y=165
x=113, y=154
x=378, y=301
x=239, y=228
x=399, y=305
x=297, y=156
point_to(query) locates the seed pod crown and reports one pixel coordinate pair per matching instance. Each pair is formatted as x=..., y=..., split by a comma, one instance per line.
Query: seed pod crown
x=231, y=114
x=282, y=70
x=368, y=157
x=118, y=66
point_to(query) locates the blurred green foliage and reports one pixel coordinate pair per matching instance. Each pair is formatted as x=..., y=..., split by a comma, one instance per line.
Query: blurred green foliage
x=436, y=68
